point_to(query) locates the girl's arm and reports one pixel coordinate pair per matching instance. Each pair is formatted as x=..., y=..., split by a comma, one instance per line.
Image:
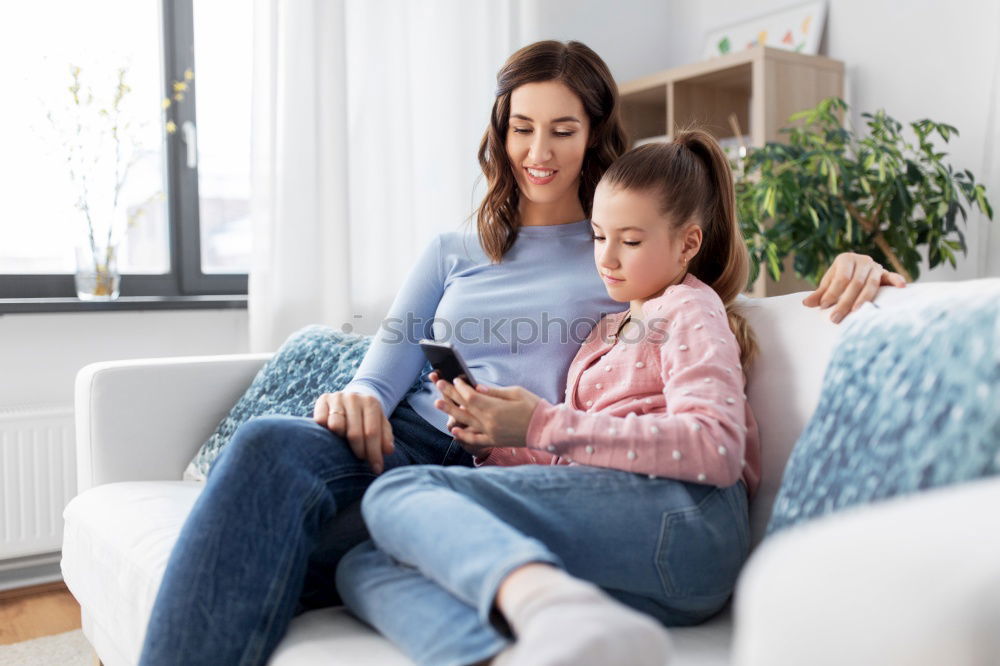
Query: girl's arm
x=701, y=436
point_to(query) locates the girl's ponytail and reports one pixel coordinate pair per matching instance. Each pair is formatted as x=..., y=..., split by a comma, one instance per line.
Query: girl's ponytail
x=692, y=178
x=723, y=258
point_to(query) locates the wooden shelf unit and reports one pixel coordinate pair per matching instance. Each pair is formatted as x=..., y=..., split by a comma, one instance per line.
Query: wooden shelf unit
x=763, y=86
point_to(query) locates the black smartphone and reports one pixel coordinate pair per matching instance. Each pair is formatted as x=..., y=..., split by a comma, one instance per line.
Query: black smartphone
x=446, y=360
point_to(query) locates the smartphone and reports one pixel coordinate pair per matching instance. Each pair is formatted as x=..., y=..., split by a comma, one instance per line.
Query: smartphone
x=446, y=360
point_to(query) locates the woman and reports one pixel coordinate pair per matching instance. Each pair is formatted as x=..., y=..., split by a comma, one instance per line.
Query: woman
x=280, y=506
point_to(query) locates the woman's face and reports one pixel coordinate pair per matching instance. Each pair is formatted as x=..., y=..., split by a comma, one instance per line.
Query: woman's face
x=546, y=140
x=636, y=252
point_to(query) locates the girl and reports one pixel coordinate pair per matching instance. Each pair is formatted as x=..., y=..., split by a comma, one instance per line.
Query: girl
x=649, y=462
x=280, y=505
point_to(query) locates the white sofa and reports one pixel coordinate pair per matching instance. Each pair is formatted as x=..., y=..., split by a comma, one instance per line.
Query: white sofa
x=910, y=581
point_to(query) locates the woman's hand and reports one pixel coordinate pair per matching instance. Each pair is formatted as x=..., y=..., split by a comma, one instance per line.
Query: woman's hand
x=359, y=419
x=851, y=281
x=491, y=416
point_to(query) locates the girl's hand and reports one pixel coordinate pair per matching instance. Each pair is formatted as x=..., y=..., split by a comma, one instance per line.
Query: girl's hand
x=448, y=402
x=481, y=452
x=450, y=406
x=851, y=281
x=492, y=416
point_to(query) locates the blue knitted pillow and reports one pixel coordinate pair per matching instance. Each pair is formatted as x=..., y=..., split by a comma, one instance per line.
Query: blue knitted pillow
x=910, y=400
x=314, y=360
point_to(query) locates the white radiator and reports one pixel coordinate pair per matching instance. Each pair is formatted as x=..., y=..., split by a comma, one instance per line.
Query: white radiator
x=37, y=477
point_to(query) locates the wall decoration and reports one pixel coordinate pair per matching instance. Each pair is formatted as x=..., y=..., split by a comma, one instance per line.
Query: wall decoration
x=797, y=28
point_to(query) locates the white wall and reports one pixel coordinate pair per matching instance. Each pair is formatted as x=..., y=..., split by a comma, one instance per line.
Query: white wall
x=916, y=59
x=40, y=354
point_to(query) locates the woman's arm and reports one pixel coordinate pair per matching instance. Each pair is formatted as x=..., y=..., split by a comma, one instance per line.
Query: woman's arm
x=360, y=411
x=394, y=359
x=851, y=281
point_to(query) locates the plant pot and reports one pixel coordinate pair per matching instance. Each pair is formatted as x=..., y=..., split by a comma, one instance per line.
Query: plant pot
x=97, y=277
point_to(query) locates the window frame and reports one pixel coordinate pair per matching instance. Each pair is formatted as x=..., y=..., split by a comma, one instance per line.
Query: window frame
x=185, y=278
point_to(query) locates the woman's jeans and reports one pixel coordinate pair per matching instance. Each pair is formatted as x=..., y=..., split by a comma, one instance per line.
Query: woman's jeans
x=279, y=510
x=442, y=541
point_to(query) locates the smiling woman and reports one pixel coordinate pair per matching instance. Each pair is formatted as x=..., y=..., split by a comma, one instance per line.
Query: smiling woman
x=547, y=154
x=555, y=115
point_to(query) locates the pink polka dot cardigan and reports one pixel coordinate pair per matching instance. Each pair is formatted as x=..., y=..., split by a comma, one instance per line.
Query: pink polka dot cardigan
x=666, y=399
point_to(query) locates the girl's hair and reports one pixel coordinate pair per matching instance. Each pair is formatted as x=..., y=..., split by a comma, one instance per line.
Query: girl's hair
x=692, y=181
x=582, y=71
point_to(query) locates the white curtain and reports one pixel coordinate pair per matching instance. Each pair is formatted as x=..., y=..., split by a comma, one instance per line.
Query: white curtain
x=367, y=116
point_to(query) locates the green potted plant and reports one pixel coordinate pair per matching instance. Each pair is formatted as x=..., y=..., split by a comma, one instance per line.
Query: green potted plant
x=829, y=190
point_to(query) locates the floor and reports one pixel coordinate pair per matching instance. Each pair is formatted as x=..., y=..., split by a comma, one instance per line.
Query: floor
x=33, y=612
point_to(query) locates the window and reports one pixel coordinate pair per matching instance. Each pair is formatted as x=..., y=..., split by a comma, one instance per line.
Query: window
x=187, y=192
x=224, y=128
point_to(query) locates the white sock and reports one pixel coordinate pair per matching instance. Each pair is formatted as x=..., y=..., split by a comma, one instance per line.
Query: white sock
x=564, y=621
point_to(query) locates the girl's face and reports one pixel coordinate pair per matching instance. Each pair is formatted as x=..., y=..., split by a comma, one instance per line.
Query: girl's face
x=635, y=251
x=546, y=141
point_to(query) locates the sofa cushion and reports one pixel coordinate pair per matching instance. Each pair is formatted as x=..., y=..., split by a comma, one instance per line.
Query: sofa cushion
x=116, y=541
x=116, y=544
x=909, y=402
x=783, y=384
x=913, y=580
x=314, y=360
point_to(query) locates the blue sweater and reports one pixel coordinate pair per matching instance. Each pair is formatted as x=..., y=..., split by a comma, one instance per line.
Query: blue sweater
x=519, y=322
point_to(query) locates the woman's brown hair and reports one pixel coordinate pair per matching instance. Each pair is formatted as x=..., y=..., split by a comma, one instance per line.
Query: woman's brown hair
x=582, y=71
x=691, y=178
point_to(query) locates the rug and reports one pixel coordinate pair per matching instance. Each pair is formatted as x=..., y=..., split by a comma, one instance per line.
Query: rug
x=67, y=649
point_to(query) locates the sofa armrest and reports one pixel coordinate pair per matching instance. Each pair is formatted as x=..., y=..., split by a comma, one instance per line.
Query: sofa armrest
x=913, y=580
x=144, y=419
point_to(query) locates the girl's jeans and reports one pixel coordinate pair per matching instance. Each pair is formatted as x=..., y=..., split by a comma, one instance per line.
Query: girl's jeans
x=279, y=509
x=442, y=541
